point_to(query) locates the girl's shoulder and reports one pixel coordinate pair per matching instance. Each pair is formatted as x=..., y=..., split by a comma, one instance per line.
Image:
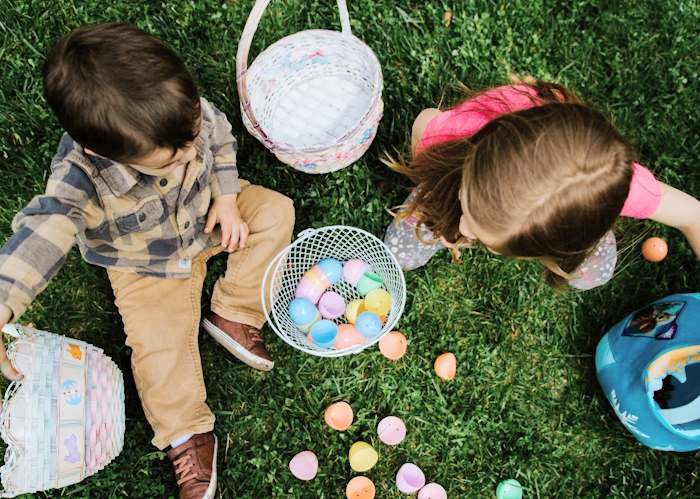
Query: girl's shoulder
x=471, y=115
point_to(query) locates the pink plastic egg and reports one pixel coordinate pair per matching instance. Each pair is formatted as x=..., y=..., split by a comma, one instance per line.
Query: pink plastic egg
x=391, y=430
x=353, y=271
x=432, y=491
x=304, y=465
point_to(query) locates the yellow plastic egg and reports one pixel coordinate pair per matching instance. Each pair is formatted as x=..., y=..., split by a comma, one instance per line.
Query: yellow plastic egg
x=354, y=308
x=393, y=345
x=362, y=456
x=446, y=366
x=360, y=487
x=378, y=301
x=338, y=416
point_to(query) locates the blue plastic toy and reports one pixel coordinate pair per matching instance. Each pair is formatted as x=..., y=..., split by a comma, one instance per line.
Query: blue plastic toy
x=368, y=324
x=649, y=368
x=323, y=333
x=332, y=268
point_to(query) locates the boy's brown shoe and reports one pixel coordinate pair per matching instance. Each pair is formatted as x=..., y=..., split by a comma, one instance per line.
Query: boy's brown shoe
x=195, y=466
x=241, y=340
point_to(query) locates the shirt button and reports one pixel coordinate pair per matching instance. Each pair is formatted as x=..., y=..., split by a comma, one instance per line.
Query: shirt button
x=187, y=225
x=163, y=182
x=142, y=217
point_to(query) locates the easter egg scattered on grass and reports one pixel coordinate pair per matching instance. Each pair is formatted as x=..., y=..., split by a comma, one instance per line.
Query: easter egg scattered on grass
x=360, y=487
x=362, y=456
x=304, y=465
x=446, y=366
x=432, y=491
x=410, y=478
x=393, y=345
x=391, y=430
x=338, y=416
x=509, y=489
x=654, y=249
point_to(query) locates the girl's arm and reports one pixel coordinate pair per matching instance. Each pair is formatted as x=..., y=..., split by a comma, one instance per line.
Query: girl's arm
x=682, y=211
x=419, y=125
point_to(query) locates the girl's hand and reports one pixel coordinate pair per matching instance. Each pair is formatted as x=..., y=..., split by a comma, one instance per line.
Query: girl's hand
x=8, y=370
x=682, y=211
x=234, y=231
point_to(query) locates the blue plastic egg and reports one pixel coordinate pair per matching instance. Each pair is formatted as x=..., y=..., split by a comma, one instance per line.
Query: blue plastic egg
x=368, y=324
x=303, y=313
x=323, y=333
x=332, y=268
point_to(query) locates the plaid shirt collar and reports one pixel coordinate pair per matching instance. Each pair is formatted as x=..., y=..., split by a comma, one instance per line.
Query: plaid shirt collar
x=122, y=178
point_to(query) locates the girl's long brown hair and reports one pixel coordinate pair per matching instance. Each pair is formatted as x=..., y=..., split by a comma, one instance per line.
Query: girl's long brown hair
x=551, y=180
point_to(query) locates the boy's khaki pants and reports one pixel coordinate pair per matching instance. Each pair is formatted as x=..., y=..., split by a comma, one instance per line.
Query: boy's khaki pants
x=161, y=317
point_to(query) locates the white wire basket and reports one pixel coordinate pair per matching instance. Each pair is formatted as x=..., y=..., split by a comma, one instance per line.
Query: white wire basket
x=64, y=420
x=342, y=243
x=313, y=98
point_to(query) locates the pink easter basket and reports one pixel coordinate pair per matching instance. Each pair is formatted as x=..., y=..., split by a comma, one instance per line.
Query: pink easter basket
x=313, y=98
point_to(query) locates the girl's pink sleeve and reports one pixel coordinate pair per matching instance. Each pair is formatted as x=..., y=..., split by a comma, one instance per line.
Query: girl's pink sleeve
x=644, y=196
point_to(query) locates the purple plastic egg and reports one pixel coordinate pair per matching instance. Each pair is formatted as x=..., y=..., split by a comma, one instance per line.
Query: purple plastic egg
x=353, y=270
x=331, y=305
x=391, y=430
x=432, y=491
x=410, y=478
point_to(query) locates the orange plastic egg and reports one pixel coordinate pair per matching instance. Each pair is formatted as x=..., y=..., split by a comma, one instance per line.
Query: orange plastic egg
x=348, y=337
x=360, y=487
x=654, y=249
x=446, y=366
x=393, y=345
x=338, y=416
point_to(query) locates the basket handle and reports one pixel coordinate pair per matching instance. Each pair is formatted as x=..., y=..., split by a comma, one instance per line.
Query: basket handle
x=251, y=26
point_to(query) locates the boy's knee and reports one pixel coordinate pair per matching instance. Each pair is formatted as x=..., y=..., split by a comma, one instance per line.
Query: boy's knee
x=277, y=211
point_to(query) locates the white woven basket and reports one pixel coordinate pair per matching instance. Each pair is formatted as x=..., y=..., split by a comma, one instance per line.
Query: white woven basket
x=342, y=243
x=64, y=420
x=312, y=98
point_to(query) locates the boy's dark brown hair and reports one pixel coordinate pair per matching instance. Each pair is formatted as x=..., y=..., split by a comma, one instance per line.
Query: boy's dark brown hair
x=551, y=180
x=121, y=92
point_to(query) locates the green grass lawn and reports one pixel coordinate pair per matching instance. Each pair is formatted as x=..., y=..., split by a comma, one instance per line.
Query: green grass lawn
x=525, y=403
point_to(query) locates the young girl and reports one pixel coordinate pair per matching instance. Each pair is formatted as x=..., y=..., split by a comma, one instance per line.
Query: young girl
x=530, y=172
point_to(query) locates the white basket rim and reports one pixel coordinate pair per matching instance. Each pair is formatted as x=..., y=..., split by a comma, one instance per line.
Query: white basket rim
x=277, y=261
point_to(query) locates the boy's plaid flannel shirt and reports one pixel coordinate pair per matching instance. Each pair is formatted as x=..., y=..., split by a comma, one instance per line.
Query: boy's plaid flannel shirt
x=119, y=217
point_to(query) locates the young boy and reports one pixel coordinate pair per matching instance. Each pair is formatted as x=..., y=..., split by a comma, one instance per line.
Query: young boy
x=144, y=174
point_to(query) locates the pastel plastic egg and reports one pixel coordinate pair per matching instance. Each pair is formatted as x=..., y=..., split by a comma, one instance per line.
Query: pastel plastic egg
x=378, y=301
x=332, y=269
x=432, y=491
x=368, y=282
x=354, y=308
x=509, y=489
x=348, y=337
x=654, y=249
x=391, y=430
x=360, y=487
x=410, y=478
x=331, y=305
x=338, y=416
x=353, y=271
x=446, y=366
x=393, y=345
x=368, y=324
x=323, y=333
x=304, y=465
x=362, y=456
x=310, y=290
x=303, y=313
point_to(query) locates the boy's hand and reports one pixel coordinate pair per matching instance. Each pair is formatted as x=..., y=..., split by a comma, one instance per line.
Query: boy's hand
x=6, y=366
x=234, y=231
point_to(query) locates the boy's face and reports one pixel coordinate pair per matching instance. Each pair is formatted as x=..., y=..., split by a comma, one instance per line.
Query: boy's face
x=165, y=157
